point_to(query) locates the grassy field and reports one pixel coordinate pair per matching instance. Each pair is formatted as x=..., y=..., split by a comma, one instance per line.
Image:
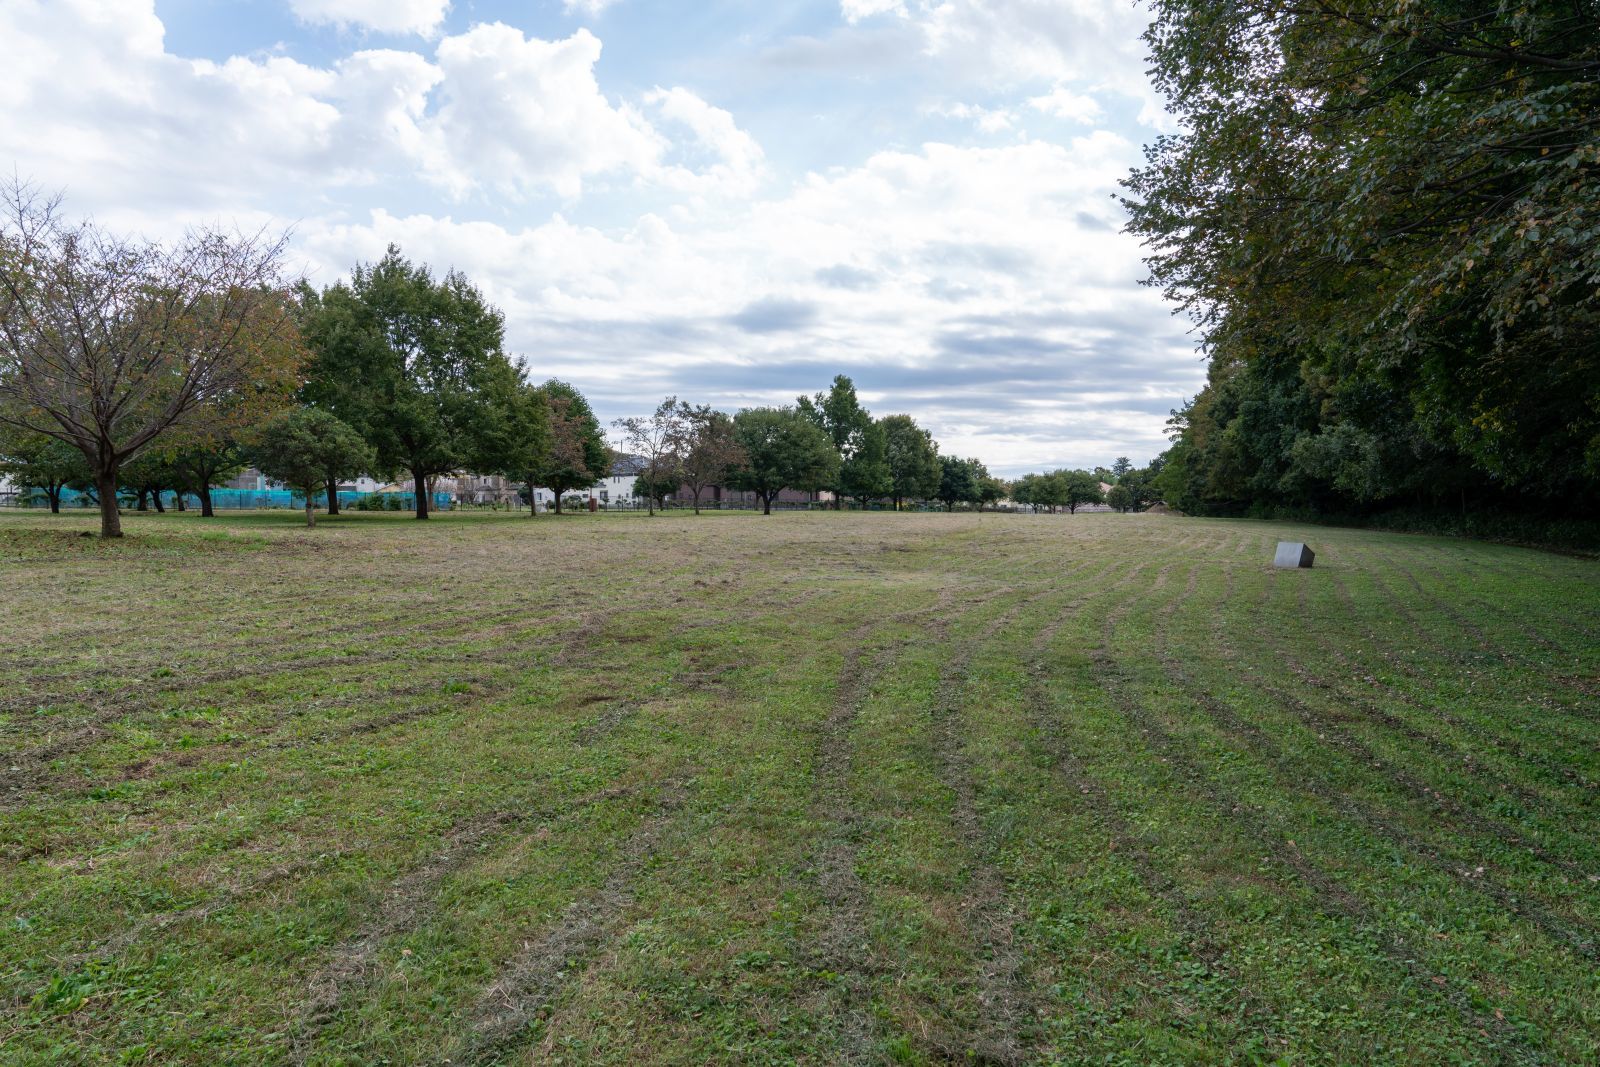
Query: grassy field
x=816, y=788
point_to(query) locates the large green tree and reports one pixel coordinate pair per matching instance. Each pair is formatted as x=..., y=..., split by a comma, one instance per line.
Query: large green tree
x=201, y=465
x=991, y=491
x=36, y=461
x=415, y=364
x=912, y=458
x=149, y=477
x=306, y=449
x=783, y=449
x=515, y=439
x=960, y=481
x=839, y=414
x=864, y=475
x=1079, y=488
x=1386, y=219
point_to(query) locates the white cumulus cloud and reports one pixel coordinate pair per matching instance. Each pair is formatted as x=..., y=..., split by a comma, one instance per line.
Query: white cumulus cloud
x=906, y=272
x=1063, y=103
x=989, y=120
x=735, y=162
x=490, y=111
x=987, y=290
x=518, y=113
x=381, y=16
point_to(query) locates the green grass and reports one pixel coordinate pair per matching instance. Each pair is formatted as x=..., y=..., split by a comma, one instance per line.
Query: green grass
x=809, y=788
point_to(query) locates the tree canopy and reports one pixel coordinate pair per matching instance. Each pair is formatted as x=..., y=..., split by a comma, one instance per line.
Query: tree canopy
x=783, y=449
x=660, y=440
x=578, y=457
x=960, y=481
x=40, y=462
x=415, y=365
x=1386, y=220
x=839, y=414
x=912, y=458
x=306, y=448
x=711, y=448
x=109, y=343
x=864, y=475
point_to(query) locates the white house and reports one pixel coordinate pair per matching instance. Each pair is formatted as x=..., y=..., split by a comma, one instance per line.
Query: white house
x=253, y=480
x=613, y=491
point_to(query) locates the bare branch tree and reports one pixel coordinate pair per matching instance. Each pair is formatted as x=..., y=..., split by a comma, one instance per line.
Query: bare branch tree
x=107, y=343
x=658, y=439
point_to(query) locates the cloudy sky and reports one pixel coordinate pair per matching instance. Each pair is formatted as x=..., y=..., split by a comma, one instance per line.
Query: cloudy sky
x=731, y=201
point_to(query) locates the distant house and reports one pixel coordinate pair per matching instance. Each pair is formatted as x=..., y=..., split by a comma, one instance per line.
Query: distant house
x=253, y=480
x=478, y=489
x=617, y=489
x=613, y=491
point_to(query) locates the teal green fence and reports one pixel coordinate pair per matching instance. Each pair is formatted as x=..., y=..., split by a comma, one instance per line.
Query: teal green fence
x=251, y=499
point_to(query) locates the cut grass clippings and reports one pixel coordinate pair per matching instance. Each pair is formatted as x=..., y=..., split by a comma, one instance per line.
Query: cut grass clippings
x=808, y=788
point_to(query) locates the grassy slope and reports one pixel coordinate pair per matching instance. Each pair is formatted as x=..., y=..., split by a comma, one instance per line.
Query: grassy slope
x=814, y=787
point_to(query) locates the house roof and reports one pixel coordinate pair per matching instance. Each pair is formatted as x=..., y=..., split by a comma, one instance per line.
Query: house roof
x=623, y=465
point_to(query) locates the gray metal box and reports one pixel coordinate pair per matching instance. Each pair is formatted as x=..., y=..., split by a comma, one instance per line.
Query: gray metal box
x=1293, y=554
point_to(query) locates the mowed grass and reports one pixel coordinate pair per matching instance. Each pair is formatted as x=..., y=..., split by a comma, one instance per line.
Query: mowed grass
x=810, y=788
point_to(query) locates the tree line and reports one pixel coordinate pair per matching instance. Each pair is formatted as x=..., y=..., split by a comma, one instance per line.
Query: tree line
x=135, y=368
x=141, y=367
x=827, y=442
x=1386, y=221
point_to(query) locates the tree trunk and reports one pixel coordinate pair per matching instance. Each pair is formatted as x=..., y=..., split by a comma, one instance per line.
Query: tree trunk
x=333, y=496
x=766, y=503
x=144, y=500
x=558, y=501
x=422, y=495
x=311, y=511
x=54, y=495
x=110, y=518
x=533, y=500
x=204, y=492
x=178, y=502
x=155, y=498
x=697, y=501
